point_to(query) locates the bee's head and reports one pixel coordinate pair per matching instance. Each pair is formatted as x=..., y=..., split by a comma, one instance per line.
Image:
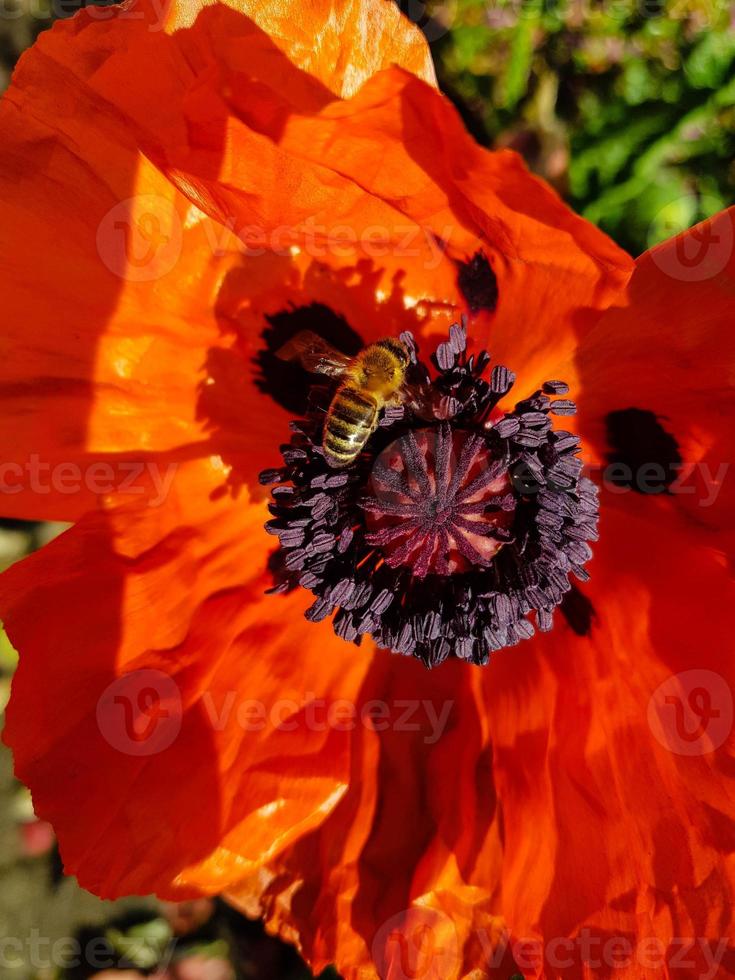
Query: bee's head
x=383, y=365
x=400, y=352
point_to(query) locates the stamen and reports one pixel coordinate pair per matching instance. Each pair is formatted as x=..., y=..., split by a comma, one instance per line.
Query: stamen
x=456, y=529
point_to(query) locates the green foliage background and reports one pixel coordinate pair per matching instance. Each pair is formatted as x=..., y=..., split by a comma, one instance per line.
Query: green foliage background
x=626, y=106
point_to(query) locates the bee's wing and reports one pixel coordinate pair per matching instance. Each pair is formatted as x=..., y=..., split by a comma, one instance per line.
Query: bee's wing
x=315, y=354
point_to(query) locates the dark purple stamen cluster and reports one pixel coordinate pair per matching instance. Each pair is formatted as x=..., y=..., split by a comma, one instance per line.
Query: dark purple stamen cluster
x=457, y=526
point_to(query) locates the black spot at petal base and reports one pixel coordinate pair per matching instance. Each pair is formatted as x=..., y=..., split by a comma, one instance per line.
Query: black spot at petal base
x=287, y=383
x=643, y=456
x=478, y=283
x=578, y=611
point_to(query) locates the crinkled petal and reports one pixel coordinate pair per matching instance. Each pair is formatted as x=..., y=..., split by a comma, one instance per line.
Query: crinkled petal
x=581, y=808
x=392, y=173
x=388, y=174
x=613, y=759
x=405, y=873
x=128, y=351
x=341, y=43
x=554, y=271
x=106, y=334
x=199, y=184
x=164, y=695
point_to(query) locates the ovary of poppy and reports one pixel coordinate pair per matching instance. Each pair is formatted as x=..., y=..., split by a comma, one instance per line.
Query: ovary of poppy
x=176, y=179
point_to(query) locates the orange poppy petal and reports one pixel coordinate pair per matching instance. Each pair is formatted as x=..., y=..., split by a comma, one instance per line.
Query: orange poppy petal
x=128, y=330
x=405, y=872
x=611, y=756
x=670, y=352
x=105, y=345
x=554, y=270
x=184, y=708
x=387, y=174
x=392, y=173
x=341, y=43
x=308, y=824
x=132, y=353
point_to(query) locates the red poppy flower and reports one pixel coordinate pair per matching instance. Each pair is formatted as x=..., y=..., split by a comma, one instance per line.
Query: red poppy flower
x=186, y=188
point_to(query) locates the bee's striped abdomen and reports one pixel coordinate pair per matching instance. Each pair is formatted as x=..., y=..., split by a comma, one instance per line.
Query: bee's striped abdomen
x=350, y=421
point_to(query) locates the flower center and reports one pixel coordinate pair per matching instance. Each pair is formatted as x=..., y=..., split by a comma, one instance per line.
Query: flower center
x=430, y=519
x=439, y=502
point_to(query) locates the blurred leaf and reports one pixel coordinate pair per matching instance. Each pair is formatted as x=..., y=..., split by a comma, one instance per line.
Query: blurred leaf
x=521, y=57
x=217, y=949
x=604, y=160
x=708, y=64
x=8, y=655
x=143, y=945
x=642, y=107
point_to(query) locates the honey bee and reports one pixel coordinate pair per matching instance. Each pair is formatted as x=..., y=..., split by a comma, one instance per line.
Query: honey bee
x=371, y=381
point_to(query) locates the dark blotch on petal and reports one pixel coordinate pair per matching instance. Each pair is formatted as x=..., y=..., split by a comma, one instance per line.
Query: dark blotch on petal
x=283, y=581
x=643, y=455
x=478, y=283
x=578, y=611
x=285, y=382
